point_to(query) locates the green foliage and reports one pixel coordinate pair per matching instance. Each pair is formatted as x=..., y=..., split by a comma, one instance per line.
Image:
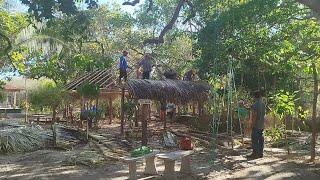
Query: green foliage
x=284, y=103
x=275, y=134
x=10, y=25
x=88, y=90
x=129, y=108
x=249, y=31
x=48, y=95
x=47, y=9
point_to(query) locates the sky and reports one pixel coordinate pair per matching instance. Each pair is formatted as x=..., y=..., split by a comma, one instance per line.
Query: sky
x=129, y=9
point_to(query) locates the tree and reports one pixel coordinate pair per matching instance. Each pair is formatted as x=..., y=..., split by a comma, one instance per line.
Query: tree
x=10, y=26
x=88, y=40
x=312, y=4
x=47, y=9
x=269, y=43
x=48, y=95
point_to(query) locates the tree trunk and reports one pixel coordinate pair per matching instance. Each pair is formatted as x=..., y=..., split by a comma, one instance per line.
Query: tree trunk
x=314, y=112
x=65, y=111
x=54, y=114
x=285, y=134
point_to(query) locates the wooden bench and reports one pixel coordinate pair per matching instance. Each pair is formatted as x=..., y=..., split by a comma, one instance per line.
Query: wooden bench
x=150, y=167
x=171, y=157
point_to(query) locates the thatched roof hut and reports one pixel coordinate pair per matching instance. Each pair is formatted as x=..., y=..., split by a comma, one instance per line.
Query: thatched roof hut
x=175, y=91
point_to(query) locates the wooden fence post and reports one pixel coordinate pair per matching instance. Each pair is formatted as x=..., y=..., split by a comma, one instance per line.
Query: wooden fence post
x=110, y=111
x=122, y=111
x=145, y=117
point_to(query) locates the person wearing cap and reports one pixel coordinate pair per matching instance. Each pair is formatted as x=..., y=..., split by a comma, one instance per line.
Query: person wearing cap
x=145, y=65
x=257, y=119
x=123, y=66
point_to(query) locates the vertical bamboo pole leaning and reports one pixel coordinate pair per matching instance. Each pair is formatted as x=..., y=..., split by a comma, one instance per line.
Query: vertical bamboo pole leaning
x=122, y=111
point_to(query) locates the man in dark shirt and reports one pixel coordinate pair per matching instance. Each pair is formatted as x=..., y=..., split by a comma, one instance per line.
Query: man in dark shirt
x=257, y=117
x=145, y=64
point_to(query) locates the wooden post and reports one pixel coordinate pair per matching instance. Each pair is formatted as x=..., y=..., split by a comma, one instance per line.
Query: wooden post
x=97, y=115
x=165, y=120
x=122, y=111
x=145, y=116
x=193, y=108
x=136, y=114
x=200, y=108
x=54, y=134
x=110, y=110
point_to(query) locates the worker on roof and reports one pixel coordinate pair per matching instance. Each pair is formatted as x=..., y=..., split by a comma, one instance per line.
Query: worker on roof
x=123, y=66
x=146, y=66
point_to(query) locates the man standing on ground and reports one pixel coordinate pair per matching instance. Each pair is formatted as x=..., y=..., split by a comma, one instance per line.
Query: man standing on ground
x=123, y=66
x=146, y=66
x=257, y=117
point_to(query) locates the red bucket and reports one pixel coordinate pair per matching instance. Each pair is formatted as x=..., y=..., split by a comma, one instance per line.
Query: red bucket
x=186, y=143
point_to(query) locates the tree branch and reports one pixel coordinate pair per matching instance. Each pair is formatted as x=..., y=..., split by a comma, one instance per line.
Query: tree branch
x=131, y=3
x=168, y=27
x=135, y=2
x=192, y=12
x=150, y=5
x=312, y=4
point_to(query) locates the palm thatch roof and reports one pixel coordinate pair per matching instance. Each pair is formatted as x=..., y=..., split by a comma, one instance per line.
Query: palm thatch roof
x=175, y=91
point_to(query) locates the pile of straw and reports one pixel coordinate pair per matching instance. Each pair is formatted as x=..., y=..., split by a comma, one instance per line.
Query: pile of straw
x=21, y=139
x=89, y=158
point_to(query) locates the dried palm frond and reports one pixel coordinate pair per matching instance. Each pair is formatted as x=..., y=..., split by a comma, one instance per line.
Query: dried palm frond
x=21, y=139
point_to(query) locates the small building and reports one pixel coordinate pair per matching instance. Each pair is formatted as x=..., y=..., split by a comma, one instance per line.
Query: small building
x=13, y=97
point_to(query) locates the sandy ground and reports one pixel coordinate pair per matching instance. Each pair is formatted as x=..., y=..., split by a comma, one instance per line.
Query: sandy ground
x=50, y=164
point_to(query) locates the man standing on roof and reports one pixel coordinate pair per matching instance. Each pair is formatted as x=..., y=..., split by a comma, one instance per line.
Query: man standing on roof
x=257, y=118
x=146, y=66
x=123, y=66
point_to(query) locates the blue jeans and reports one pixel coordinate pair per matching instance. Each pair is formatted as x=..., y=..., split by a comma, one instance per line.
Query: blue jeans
x=257, y=141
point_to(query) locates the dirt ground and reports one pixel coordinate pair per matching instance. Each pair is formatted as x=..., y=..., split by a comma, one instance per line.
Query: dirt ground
x=228, y=164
